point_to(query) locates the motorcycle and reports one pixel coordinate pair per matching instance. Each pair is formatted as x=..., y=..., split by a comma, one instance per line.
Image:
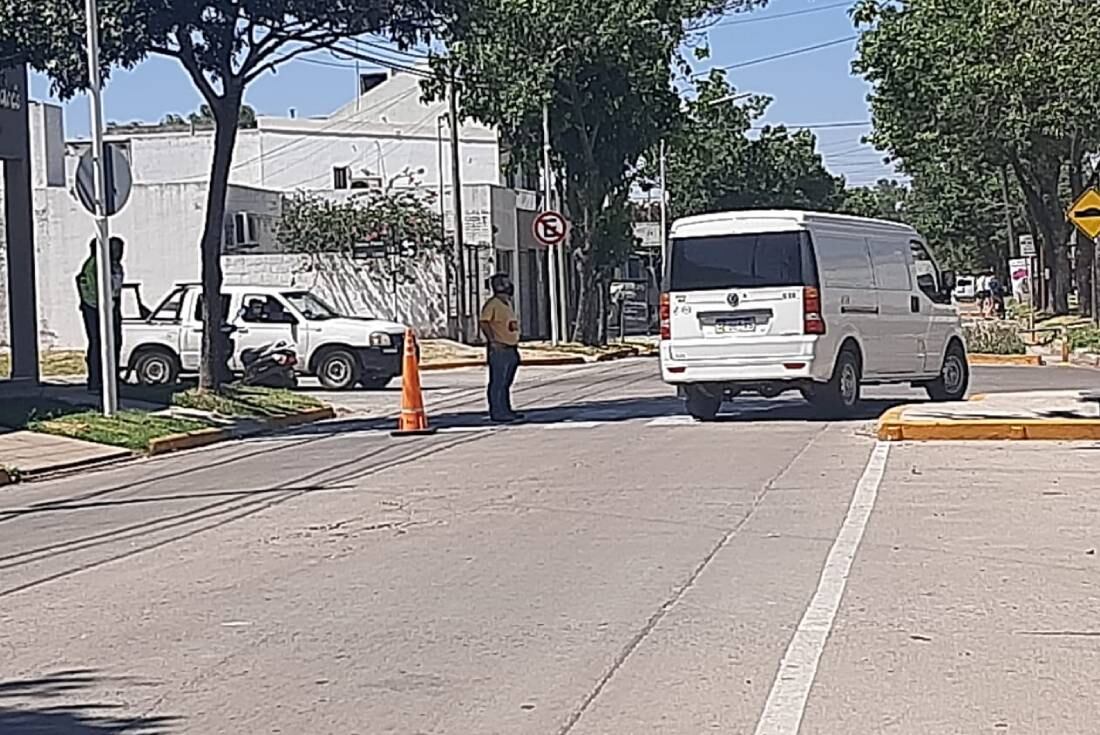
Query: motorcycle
x=271, y=365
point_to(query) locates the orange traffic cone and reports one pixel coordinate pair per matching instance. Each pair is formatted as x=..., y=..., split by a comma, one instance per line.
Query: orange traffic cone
x=413, y=420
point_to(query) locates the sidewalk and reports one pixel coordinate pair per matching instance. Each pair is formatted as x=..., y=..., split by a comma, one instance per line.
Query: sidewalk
x=29, y=452
x=1035, y=415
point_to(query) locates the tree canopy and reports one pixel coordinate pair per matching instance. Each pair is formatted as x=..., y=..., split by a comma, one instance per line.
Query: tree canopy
x=981, y=86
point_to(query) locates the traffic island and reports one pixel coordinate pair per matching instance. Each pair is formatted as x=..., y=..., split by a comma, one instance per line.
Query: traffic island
x=1030, y=416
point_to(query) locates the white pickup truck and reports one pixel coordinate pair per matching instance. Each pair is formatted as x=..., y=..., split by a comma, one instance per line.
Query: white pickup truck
x=341, y=351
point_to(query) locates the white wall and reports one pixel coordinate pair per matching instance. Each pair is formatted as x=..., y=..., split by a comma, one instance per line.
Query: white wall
x=353, y=287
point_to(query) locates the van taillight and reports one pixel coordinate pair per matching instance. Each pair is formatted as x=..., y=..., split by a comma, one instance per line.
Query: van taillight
x=666, y=316
x=812, y=321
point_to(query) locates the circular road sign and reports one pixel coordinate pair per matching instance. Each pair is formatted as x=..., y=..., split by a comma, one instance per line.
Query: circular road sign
x=119, y=181
x=550, y=228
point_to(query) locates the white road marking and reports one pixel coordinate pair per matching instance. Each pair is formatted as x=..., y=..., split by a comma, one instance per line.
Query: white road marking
x=672, y=421
x=790, y=691
x=576, y=425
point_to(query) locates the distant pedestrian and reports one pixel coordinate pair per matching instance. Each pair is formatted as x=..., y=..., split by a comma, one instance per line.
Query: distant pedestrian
x=984, y=294
x=997, y=297
x=87, y=285
x=501, y=329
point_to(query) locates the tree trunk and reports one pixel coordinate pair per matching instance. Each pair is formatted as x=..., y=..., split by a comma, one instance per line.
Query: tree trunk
x=214, y=369
x=587, y=326
x=1085, y=257
x=1040, y=191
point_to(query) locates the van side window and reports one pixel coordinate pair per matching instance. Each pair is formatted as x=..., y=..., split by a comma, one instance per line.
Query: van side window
x=925, y=272
x=845, y=261
x=891, y=264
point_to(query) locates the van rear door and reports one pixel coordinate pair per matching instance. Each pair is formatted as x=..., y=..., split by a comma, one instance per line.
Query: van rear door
x=737, y=291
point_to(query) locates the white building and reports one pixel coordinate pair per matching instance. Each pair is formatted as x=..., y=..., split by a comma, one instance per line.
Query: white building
x=388, y=135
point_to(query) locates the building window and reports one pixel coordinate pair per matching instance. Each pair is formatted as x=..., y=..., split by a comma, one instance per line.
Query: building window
x=246, y=230
x=340, y=177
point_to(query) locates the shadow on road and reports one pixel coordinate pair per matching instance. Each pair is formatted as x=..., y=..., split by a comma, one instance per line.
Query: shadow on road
x=45, y=706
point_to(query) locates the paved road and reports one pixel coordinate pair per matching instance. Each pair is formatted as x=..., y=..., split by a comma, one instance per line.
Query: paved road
x=607, y=568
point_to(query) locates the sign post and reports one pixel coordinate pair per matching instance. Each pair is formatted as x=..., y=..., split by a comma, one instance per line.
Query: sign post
x=550, y=228
x=1027, y=250
x=103, y=253
x=1084, y=214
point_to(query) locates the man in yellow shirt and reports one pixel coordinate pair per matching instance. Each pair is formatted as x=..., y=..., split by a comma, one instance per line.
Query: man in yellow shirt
x=501, y=329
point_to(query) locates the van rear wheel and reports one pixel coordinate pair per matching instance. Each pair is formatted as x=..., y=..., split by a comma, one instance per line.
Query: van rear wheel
x=954, y=377
x=702, y=404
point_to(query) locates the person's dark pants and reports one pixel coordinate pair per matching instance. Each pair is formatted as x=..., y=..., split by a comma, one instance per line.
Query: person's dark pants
x=94, y=357
x=503, y=364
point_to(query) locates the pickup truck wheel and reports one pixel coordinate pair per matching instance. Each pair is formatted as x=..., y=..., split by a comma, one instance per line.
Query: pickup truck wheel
x=156, y=367
x=338, y=369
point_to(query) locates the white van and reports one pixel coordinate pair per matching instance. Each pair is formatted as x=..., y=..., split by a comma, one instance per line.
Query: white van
x=772, y=301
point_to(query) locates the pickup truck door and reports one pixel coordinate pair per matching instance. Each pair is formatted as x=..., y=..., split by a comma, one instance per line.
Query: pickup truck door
x=261, y=320
x=191, y=329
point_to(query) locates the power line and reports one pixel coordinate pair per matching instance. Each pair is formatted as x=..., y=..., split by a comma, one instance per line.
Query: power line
x=815, y=126
x=781, y=55
x=780, y=16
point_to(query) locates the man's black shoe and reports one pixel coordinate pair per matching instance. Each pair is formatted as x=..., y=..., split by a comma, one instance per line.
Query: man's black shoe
x=502, y=419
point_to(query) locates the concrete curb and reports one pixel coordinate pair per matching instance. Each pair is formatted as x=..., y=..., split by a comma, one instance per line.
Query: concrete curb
x=1088, y=360
x=894, y=427
x=993, y=360
x=206, y=437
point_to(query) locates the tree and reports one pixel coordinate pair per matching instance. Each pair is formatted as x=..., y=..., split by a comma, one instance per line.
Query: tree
x=223, y=46
x=605, y=71
x=885, y=200
x=713, y=164
x=987, y=85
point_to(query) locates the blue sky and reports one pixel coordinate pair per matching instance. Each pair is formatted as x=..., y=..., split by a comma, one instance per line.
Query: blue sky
x=812, y=88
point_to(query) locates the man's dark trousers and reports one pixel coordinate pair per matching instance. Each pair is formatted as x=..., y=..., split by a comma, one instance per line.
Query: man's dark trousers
x=94, y=358
x=503, y=364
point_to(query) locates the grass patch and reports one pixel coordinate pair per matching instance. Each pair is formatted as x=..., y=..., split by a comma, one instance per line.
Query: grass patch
x=246, y=402
x=53, y=363
x=129, y=429
x=1087, y=338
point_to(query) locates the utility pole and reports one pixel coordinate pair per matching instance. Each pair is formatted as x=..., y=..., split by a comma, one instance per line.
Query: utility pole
x=551, y=253
x=443, y=222
x=104, y=274
x=1013, y=245
x=456, y=186
x=664, y=212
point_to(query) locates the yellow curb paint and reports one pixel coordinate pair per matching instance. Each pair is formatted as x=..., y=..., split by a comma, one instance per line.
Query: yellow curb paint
x=206, y=437
x=190, y=440
x=992, y=360
x=525, y=362
x=897, y=428
x=977, y=397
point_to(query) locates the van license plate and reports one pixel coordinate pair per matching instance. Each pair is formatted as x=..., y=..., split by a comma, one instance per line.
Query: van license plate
x=727, y=326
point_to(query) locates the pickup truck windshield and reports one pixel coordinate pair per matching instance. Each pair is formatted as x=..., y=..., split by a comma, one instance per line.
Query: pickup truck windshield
x=310, y=306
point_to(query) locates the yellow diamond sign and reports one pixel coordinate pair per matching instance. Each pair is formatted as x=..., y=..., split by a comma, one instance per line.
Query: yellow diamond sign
x=1085, y=213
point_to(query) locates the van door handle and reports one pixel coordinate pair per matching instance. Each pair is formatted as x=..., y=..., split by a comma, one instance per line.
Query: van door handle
x=859, y=310
x=914, y=304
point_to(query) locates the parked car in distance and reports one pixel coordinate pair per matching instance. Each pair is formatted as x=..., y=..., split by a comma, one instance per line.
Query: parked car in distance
x=772, y=301
x=342, y=351
x=966, y=288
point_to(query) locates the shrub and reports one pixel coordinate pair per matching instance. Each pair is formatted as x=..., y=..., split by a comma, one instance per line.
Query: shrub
x=991, y=338
x=1087, y=338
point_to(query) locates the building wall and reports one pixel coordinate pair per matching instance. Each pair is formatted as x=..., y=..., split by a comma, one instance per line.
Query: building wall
x=356, y=287
x=162, y=227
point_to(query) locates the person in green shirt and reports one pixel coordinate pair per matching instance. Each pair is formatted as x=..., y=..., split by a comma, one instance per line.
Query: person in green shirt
x=87, y=286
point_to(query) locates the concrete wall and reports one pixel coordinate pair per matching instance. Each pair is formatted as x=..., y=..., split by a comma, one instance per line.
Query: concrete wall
x=162, y=227
x=355, y=287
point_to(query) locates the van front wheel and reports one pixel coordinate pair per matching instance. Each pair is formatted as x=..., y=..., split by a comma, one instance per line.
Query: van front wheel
x=702, y=404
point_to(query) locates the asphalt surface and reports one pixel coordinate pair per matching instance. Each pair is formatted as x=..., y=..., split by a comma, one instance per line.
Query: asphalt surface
x=607, y=567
